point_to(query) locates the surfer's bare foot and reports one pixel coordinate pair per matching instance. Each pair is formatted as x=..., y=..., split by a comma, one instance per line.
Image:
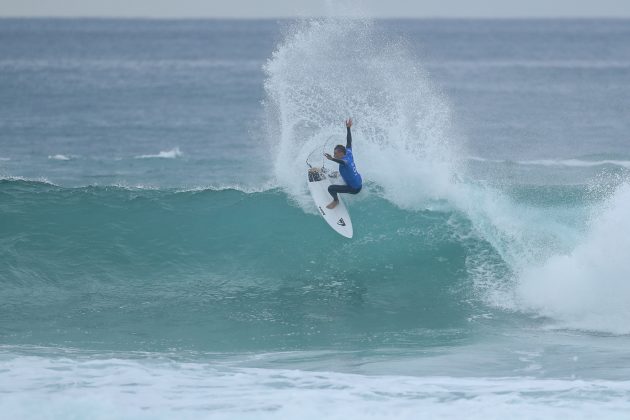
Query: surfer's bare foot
x=333, y=204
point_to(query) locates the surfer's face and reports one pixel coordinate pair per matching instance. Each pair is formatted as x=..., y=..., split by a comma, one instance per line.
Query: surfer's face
x=339, y=154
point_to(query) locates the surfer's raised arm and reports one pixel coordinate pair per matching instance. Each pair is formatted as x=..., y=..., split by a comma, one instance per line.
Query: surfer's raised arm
x=339, y=149
x=347, y=170
x=349, y=135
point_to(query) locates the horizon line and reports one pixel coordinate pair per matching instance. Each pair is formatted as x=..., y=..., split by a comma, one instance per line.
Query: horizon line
x=300, y=17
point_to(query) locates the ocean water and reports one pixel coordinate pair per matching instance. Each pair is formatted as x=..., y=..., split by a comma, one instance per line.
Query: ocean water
x=160, y=256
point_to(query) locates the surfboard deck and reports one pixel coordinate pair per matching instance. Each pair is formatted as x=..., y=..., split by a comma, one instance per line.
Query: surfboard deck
x=337, y=218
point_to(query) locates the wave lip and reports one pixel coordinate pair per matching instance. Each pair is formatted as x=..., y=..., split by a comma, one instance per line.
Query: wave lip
x=164, y=154
x=247, y=189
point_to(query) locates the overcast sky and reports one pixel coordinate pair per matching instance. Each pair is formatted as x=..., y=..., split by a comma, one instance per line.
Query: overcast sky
x=292, y=8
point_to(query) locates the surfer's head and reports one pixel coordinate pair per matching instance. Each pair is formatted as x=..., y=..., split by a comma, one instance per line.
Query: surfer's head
x=340, y=151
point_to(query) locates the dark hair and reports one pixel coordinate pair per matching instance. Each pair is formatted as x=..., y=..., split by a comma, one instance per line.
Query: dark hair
x=340, y=147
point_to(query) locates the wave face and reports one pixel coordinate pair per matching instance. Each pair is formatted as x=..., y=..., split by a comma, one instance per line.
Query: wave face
x=108, y=265
x=105, y=267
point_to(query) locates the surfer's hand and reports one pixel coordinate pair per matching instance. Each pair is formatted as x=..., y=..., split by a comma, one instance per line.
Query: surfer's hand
x=328, y=156
x=349, y=122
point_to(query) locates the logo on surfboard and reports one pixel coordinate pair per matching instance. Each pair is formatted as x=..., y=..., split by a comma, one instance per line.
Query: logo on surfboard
x=320, y=209
x=340, y=222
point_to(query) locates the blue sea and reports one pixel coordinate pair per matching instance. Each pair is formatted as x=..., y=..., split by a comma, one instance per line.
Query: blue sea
x=160, y=255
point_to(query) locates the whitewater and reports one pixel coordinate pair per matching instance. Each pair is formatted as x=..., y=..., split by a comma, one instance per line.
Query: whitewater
x=160, y=255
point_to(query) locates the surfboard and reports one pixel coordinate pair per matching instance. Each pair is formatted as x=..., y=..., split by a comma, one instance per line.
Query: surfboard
x=338, y=218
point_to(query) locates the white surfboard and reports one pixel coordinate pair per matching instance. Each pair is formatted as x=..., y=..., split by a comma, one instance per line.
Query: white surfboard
x=338, y=218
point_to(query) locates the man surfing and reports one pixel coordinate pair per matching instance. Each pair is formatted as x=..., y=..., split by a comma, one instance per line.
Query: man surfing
x=347, y=169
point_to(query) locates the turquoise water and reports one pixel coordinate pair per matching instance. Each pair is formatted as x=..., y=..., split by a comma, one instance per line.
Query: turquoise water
x=160, y=255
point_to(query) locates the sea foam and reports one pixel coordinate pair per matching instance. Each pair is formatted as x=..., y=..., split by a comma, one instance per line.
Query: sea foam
x=164, y=154
x=587, y=288
x=146, y=387
x=59, y=157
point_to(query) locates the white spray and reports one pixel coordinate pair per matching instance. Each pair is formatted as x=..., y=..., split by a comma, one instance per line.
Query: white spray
x=328, y=70
x=407, y=150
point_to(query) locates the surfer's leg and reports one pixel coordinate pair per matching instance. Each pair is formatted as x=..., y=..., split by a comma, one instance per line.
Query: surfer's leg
x=334, y=190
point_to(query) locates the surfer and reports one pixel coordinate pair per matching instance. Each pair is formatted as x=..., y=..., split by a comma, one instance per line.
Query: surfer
x=347, y=169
